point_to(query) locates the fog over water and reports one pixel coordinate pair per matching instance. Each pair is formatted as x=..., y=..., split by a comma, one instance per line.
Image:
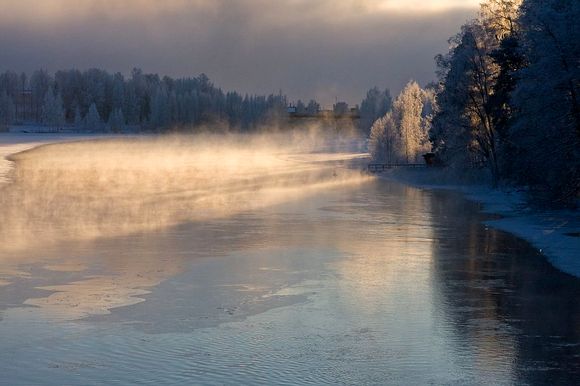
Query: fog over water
x=82, y=191
x=263, y=259
x=113, y=187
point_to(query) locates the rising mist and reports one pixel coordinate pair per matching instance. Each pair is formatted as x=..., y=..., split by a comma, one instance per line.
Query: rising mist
x=112, y=187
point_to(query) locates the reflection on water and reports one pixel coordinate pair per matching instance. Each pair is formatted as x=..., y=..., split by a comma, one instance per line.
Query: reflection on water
x=500, y=293
x=360, y=282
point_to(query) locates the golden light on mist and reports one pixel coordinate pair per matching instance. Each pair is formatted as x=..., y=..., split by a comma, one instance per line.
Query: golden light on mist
x=80, y=192
x=83, y=191
x=55, y=10
x=426, y=5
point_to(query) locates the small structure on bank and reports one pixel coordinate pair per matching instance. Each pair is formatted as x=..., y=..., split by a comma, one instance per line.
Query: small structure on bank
x=430, y=159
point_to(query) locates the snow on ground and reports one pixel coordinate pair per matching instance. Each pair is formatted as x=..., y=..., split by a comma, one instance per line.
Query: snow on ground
x=556, y=233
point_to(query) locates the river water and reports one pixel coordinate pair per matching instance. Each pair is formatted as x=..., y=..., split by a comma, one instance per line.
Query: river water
x=363, y=281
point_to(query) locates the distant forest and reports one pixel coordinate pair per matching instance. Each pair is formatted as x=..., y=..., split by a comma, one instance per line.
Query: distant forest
x=96, y=100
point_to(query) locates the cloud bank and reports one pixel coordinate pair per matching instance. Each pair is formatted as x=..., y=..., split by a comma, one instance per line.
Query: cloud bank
x=322, y=49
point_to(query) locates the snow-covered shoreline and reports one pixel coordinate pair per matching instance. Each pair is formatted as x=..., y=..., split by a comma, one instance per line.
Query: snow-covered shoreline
x=13, y=143
x=553, y=232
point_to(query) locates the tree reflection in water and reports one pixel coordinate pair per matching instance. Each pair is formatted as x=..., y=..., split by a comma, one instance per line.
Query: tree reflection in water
x=502, y=293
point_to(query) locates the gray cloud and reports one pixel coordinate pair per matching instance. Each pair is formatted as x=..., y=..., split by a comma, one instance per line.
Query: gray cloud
x=255, y=46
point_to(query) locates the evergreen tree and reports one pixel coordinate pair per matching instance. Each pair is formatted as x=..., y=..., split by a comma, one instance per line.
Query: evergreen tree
x=78, y=119
x=52, y=110
x=40, y=83
x=313, y=108
x=116, y=121
x=464, y=129
x=546, y=129
x=375, y=105
x=7, y=110
x=300, y=108
x=146, y=99
x=93, y=121
x=160, y=109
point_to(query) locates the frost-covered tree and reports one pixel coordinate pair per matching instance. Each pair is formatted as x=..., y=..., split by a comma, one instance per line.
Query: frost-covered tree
x=117, y=92
x=78, y=119
x=7, y=110
x=384, y=140
x=476, y=77
x=69, y=83
x=547, y=99
x=408, y=114
x=160, y=109
x=131, y=106
x=97, y=85
x=52, y=110
x=116, y=121
x=501, y=16
x=509, y=96
x=11, y=83
x=313, y=107
x=375, y=105
x=402, y=134
x=40, y=83
x=300, y=108
x=464, y=128
x=92, y=120
x=144, y=98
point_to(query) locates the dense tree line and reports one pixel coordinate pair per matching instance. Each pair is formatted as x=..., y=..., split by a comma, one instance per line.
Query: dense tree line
x=509, y=96
x=471, y=122
x=507, y=101
x=97, y=100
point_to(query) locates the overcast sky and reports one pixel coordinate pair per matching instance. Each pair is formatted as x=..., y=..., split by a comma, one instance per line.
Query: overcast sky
x=307, y=48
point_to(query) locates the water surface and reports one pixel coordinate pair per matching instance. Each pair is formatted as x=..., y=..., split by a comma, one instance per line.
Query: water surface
x=366, y=282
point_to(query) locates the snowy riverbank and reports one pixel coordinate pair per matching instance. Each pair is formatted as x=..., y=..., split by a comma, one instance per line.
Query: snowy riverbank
x=12, y=143
x=556, y=233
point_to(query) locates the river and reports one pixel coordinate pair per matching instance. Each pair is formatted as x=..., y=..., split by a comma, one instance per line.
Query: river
x=307, y=281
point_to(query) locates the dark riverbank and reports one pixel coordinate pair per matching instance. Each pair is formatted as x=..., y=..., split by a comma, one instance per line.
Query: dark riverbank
x=553, y=232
